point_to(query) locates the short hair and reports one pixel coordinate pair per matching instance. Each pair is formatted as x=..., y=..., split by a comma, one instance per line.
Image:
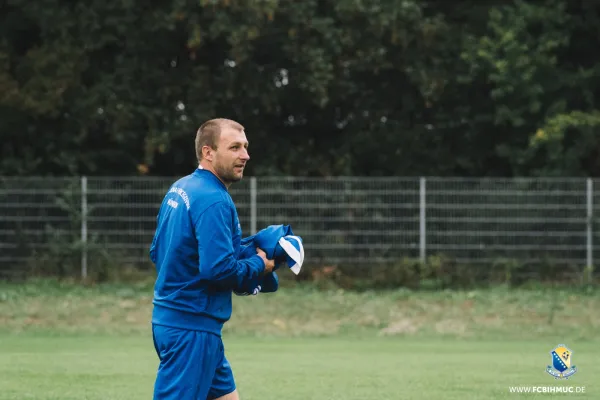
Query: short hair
x=209, y=133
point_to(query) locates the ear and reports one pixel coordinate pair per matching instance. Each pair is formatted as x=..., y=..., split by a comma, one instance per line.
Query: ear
x=207, y=153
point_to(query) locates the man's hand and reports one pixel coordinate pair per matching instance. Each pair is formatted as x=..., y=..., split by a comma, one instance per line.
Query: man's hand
x=269, y=264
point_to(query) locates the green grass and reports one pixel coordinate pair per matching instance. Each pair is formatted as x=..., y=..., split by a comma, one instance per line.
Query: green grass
x=123, y=367
x=67, y=341
x=54, y=307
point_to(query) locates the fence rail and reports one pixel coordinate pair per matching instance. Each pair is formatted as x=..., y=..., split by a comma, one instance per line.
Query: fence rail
x=342, y=220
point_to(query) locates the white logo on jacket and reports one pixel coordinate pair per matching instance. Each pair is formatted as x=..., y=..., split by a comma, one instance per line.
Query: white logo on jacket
x=183, y=195
x=172, y=203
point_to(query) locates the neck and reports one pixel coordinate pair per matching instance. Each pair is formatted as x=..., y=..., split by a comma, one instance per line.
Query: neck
x=209, y=167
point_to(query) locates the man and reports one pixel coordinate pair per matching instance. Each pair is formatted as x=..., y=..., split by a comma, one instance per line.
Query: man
x=196, y=251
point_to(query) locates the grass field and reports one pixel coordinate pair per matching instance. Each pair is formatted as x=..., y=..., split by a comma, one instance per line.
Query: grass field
x=62, y=342
x=122, y=368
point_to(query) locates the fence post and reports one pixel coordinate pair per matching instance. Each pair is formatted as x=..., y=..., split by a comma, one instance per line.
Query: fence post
x=422, y=225
x=589, y=223
x=84, y=212
x=253, y=205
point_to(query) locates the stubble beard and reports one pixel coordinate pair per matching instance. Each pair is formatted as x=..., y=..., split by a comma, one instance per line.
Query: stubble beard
x=228, y=175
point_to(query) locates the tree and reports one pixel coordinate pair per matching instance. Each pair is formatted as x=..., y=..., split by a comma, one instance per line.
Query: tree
x=387, y=87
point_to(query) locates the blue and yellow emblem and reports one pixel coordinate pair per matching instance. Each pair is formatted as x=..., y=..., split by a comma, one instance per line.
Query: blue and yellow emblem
x=562, y=359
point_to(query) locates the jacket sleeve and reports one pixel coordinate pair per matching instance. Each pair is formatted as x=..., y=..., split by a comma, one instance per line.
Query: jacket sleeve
x=154, y=239
x=217, y=261
x=153, y=251
x=269, y=283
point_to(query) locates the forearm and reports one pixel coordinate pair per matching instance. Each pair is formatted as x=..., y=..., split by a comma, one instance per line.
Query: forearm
x=232, y=274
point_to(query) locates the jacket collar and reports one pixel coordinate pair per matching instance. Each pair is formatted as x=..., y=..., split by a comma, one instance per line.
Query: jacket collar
x=201, y=172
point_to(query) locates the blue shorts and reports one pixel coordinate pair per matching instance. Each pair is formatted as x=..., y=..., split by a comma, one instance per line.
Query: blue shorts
x=192, y=365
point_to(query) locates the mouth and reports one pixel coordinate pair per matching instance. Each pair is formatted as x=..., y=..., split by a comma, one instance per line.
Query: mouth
x=239, y=166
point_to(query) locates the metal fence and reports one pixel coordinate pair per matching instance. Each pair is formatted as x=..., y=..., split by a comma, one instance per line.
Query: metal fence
x=343, y=220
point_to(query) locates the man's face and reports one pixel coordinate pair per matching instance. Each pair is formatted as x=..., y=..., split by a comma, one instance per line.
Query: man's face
x=231, y=155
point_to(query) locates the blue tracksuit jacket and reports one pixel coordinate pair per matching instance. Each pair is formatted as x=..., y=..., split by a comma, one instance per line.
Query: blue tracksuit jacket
x=196, y=250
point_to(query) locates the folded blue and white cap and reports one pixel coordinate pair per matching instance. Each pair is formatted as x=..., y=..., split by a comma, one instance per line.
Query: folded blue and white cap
x=292, y=245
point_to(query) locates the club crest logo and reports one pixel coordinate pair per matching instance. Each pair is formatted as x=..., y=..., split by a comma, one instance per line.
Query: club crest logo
x=562, y=363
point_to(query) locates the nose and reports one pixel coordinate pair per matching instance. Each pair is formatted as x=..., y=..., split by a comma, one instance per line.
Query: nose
x=245, y=155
